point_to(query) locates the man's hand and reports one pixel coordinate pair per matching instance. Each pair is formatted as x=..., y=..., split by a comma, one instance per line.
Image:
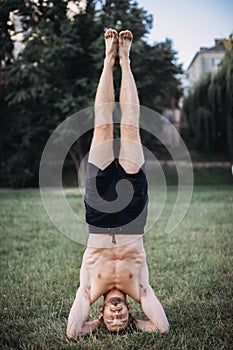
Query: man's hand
x=89, y=327
x=148, y=326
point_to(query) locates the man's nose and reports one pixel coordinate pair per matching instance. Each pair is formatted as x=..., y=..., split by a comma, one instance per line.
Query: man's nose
x=116, y=313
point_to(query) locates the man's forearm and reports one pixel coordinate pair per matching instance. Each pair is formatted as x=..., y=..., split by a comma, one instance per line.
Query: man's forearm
x=89, y=327
x=78, y=315
x=146, y=326
x=157, y=320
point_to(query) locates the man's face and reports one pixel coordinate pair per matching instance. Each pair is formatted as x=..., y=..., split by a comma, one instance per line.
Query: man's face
x=116, y=314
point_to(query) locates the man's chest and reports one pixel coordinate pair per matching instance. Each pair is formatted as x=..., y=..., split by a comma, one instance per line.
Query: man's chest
x=120, y=274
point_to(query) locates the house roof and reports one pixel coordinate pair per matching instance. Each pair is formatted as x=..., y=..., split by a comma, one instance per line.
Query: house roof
x=219, y=47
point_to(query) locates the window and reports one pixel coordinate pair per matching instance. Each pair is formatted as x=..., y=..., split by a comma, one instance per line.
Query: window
x=215, y=61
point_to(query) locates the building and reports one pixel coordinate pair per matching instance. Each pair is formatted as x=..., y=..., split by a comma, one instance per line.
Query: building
x=205, y=60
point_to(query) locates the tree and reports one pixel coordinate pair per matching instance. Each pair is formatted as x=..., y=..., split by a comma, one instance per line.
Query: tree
x=209, y=108
x=45, y=84
x=57, y=73
x=156, y=73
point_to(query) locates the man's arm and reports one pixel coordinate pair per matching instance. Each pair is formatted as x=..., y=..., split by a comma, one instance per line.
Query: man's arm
x=154, y=311
x=157, y=320
x=80, y=309
x=78, y=315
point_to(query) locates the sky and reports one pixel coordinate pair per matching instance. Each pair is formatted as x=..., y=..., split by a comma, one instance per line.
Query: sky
x=191, y=24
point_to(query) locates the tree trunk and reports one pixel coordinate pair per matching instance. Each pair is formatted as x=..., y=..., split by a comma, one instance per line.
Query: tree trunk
x=80, y=167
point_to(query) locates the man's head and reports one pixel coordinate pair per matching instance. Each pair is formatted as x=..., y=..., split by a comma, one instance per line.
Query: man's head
x=115, y=312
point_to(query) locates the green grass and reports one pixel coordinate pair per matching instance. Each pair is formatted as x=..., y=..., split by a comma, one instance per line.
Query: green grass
x=202, y=176
x=190, y=271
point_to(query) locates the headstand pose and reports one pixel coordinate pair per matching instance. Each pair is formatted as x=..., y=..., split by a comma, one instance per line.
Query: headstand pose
x=114, y=263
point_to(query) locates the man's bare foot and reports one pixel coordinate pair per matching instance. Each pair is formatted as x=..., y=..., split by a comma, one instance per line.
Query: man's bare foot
x=125, y=41
x=111, y=40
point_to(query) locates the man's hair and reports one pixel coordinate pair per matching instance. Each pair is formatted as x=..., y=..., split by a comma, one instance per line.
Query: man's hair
x=131, y=325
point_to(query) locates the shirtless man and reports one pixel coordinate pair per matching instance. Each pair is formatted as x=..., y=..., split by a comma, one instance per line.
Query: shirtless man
x=115, y=268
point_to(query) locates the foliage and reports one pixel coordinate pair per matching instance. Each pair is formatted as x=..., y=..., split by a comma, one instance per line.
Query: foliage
x=209, y=108
x=57, y=73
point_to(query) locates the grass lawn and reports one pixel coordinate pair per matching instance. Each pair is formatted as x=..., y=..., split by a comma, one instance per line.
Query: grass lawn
x=190, y=271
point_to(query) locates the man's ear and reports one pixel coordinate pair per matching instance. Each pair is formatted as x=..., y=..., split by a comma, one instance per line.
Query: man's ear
x=127, y=304
x=101, y=313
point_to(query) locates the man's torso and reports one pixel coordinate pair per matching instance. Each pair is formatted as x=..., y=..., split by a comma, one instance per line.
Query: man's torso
x=118, y=267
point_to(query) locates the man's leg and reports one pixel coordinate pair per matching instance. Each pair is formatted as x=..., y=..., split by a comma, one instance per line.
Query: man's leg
x=131, y=155
x=101, y=151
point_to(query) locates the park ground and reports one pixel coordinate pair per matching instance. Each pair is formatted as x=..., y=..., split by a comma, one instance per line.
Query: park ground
x=190, y=271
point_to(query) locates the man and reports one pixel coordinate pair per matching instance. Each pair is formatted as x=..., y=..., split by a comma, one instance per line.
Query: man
x=115, y=267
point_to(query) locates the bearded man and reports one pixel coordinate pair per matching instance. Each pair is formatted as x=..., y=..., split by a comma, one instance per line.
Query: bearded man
x=114, y=263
